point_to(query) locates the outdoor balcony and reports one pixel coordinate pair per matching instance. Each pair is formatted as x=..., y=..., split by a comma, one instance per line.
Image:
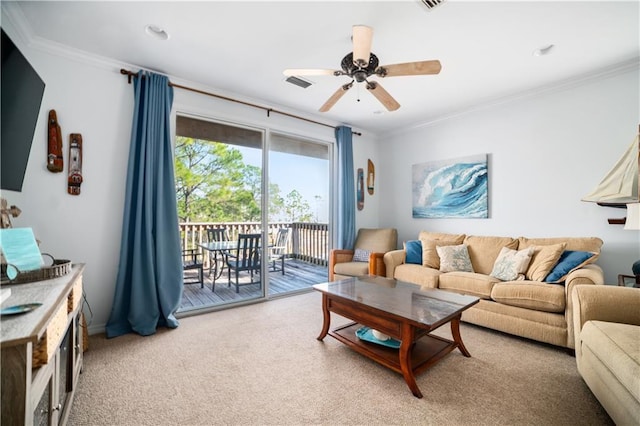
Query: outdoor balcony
x=305, y=264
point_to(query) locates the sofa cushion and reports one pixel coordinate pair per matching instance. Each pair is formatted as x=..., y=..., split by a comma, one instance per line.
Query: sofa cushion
x=413, y=250
x=353, y=269
x=530, y=295
x=511, y=264
x=478, y=285
x=543, y=260
x=616, y=346
x=430, y=240
x=417, y=274
x=430, y=257
x=542, y=326
x=441, y=236
x=592, y=244
x=569, y=261
x=484, y=250
x=454, y=258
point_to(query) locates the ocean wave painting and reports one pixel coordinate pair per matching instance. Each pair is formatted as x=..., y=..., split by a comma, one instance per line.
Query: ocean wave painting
x=451, y=188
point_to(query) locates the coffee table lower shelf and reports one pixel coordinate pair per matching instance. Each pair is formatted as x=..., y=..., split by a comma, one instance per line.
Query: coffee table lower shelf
x=426, y=351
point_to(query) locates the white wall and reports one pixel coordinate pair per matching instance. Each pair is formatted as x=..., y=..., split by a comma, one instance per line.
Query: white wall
x=545, y=153
x=92, y=98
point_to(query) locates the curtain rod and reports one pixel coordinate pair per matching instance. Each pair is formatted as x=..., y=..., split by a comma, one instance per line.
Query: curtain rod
x=131, y=74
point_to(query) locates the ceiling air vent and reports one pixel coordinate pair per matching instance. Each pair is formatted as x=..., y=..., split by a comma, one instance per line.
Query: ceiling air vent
x=298, y=81
x=431, y=3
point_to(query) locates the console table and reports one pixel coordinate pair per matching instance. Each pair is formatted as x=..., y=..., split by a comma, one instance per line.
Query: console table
x=41, y=351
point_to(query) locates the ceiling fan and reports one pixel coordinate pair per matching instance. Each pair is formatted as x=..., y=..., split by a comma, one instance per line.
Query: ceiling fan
x=361, y=64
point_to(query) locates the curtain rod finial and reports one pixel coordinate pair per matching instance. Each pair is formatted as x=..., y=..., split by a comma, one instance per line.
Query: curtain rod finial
x=129, y=74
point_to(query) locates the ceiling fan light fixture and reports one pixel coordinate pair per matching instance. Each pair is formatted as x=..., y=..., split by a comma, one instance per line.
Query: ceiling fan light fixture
x=359, y=70
x=156, y=32
x=362, y=36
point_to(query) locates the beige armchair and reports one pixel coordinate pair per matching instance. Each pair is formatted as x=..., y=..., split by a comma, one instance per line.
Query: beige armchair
x=607, y=337
x=370, y=243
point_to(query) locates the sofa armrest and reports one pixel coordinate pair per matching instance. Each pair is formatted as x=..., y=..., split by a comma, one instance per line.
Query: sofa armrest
x=392, y=259
x=604, y=303
x=338, y=256
x=588, y=274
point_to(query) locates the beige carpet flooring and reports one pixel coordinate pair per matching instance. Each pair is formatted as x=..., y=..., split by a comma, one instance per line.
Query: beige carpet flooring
x=262, y=365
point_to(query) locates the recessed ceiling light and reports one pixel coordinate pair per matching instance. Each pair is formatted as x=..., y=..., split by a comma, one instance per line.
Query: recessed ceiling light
x=543, y=50
x=156, y=32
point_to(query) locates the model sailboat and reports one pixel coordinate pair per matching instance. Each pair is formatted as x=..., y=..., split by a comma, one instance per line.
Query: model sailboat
x=619, y=187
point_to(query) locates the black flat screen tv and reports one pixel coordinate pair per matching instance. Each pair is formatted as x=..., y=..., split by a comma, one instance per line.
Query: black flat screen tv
x=22, y=90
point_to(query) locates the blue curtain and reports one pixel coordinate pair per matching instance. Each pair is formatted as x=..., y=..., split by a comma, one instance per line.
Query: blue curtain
x=347, y=189
x=149, y=281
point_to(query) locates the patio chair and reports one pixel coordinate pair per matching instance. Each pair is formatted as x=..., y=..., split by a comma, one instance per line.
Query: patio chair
x=246, y=258
x=217, y=234
x=192, y=260
x=359, y=261
x=278, y=252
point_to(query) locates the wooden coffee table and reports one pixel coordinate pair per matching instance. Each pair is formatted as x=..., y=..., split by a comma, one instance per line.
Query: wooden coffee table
x=404, y=311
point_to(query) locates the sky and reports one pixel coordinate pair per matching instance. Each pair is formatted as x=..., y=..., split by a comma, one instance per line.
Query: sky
x=310, y=176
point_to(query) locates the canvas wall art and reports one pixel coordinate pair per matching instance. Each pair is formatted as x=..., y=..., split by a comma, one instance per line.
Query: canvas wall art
x=455, y=188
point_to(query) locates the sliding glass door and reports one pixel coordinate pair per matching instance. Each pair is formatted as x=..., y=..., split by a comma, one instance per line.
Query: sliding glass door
x=299, y=201
x=220, y=173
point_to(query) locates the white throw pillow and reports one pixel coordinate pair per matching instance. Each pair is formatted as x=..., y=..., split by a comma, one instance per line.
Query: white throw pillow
x=511, y=264
x=454, y=258
x=361, y=255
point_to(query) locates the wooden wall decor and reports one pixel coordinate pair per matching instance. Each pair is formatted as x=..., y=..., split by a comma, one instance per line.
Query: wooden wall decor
x=75, y=164
x=55, y=160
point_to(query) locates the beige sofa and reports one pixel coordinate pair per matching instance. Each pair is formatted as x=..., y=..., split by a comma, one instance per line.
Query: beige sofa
x=607, y=342
x=525, y=307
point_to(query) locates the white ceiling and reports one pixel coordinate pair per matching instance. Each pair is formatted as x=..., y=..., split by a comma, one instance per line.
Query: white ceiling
x=242, y=47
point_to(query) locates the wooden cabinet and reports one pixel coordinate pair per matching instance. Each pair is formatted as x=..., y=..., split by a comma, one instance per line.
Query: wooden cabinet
x=41, y=351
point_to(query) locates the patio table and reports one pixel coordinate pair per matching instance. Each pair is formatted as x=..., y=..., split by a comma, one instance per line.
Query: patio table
x=219, y=247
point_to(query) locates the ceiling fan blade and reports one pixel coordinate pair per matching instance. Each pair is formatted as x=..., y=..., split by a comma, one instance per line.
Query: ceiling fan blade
x=383, y=96
x=362, y=36
x=335, y=97
x=311, y=71
x=410, y=68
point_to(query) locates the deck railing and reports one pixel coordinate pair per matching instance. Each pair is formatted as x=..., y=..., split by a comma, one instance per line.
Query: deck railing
x=308, y=242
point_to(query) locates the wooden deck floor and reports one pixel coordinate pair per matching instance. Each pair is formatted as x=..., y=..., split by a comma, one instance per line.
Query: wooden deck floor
x=299, y=276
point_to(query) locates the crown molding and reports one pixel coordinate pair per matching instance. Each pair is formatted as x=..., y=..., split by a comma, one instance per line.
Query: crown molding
x=557, y=86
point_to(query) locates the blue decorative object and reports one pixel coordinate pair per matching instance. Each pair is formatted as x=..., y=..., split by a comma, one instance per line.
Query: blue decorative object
x=366, y=334
x=569, y=260
x=19, y=309
x=20, y=250
x=413, y=249
x=451, y=188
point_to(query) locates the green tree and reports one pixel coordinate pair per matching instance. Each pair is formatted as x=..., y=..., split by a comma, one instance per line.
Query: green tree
x=296, y=207
x=209, y=177
x=213, y=184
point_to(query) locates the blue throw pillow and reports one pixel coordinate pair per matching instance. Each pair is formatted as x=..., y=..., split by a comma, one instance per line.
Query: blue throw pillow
x=569, y=260
x=414, y=252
